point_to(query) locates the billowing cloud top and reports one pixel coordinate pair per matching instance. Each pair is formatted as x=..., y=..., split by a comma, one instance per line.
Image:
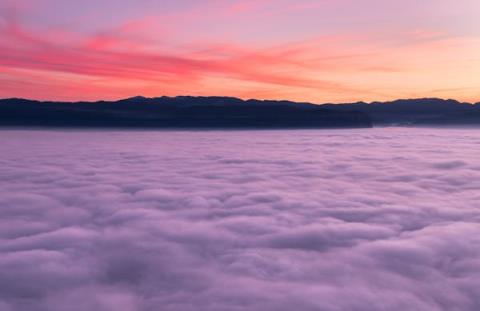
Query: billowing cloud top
x=304, y=50
x=274, y=220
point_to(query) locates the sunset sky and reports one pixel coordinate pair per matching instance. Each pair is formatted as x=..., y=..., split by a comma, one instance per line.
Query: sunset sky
x=304, y=50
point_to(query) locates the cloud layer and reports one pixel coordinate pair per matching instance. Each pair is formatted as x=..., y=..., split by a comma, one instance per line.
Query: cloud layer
x=383, y=219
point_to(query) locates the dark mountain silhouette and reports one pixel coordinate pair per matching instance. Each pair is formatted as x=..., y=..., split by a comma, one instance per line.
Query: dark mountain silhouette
x=230, y=112
x=424, y=111
x=178, y=112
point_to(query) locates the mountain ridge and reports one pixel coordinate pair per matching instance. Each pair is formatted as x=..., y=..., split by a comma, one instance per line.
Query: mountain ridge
x=177, y=112
x=247, y=113
x=145, y=98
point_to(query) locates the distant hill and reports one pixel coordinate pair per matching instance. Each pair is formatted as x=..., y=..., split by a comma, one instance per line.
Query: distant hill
x=178, y=112
x=424, y=111
x=230, y=112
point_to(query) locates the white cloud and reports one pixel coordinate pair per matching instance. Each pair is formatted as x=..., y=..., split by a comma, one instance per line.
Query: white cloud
x=382, y=219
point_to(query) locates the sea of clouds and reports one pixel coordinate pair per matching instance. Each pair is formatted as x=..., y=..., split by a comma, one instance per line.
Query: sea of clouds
x=377, y=219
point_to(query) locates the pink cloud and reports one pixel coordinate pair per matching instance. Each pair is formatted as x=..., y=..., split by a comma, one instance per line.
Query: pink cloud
x=184, y=50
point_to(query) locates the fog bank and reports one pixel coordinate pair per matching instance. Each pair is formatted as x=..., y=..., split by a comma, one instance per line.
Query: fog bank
x=380, y=219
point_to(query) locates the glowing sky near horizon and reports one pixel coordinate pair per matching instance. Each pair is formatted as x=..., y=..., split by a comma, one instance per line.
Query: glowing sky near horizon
x=304, y=50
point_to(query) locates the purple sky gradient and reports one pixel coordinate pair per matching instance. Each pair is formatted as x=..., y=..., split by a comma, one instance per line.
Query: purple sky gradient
x=382, y=219
x=307, y=50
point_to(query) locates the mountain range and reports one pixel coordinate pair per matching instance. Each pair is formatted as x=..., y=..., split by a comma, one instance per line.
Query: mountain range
x=229, y=112
x=416, y=112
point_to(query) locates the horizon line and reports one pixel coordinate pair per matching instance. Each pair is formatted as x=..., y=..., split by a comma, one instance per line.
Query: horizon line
x=238, y=98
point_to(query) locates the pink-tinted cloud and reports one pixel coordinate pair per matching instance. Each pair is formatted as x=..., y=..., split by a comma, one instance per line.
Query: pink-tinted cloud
x=377, y=219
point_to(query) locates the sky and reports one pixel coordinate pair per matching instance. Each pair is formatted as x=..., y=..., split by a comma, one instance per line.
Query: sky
x=304, y=50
